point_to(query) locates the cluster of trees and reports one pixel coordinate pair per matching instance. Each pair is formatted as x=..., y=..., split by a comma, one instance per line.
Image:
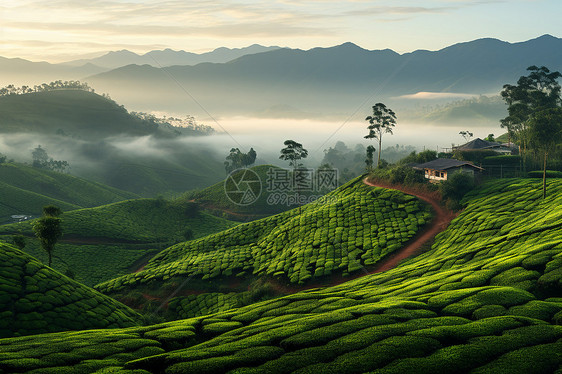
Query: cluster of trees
x=42, y=160
x=56, y=85
x=535, y=114
x=187, y=123
x=237, y=159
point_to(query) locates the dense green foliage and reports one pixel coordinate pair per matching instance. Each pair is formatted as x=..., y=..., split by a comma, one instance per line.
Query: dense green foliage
x=353, y=227
x=419, y=158
x=94, y=135
x=104, y=242
x=485, y=298
x=549, y=174
x=455, y=187
x=36, y=299
x=70, y=112
x=25, y=190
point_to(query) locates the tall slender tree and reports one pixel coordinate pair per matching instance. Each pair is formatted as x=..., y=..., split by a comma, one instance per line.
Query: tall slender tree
x=293, y=152
x=545, y=134
x=48, y=229
x=381, y=121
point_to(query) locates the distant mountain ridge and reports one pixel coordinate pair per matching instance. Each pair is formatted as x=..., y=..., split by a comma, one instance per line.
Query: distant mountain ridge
x=169, y=57
x=19, y=71
x=331, y=79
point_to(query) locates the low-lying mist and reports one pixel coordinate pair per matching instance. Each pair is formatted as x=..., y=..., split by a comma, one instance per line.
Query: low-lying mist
x=149, y=165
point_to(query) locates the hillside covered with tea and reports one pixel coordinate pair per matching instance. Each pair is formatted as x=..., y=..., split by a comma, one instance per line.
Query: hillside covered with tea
x=110, y=240
x=36, y=299
x=351, y=228
x=485, y=298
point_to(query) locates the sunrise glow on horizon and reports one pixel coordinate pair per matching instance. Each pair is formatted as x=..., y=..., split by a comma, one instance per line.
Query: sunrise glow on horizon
x=63, y=30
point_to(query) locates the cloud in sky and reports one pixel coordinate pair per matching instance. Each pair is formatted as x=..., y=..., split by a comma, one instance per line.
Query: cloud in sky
x=436, y=96
x=202, y=25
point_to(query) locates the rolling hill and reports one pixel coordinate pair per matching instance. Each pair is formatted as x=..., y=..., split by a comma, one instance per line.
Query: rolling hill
x=25, y=190
x=36, y=299
x=74, y=113
x=478, y=110
x=484, y=299
x=103, y=142
x=347, y=230
x=103, y=242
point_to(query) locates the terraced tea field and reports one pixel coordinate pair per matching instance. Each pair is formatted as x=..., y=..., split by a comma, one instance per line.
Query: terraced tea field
x=107, y=241
x=35, y=299
x=355, y=226
x=485, y=299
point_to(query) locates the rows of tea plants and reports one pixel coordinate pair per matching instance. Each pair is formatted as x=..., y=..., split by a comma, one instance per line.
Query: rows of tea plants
x=140, y=220
x=203, y=304
x=355, y=226
x=36, y=299
x=484, y=299
x=108, y=241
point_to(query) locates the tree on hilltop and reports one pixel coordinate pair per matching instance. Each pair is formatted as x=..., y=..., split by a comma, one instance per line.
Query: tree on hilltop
x=545, y=134
x=533, y=93
x=48, y=229
x=381, y=121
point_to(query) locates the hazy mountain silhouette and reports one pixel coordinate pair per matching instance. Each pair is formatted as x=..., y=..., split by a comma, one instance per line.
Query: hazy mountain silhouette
x=169, y=57
x=328, y=80
x=19, y=71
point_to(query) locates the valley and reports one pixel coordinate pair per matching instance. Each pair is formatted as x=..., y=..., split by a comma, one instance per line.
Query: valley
x=261, y=210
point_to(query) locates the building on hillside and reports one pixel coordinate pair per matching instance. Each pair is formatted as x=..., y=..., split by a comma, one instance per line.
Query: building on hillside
x=484, y=145
x=442, y=168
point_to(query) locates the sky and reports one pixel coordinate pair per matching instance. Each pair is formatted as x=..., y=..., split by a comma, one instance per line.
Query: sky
x=63, y=30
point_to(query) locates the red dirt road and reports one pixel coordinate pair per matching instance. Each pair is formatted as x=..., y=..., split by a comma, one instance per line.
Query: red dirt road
x=439, y=223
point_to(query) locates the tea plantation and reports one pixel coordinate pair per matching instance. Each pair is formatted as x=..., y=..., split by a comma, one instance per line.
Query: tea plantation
x=485, y=299
x=104, y=242
x=354, y=226
x=25, y=190
x=36, y=299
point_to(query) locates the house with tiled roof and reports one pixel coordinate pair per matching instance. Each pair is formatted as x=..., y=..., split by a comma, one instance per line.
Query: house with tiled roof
x=481, y=145
x=442, y=168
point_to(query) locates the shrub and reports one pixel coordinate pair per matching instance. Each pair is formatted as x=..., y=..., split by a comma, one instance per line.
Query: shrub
x=549, y=174
x=455, y=187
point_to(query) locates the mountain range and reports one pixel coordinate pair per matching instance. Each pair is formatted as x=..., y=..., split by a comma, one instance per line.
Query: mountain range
x=278, y=82
x=23, y=72
x=169, y=57
x=328, y=81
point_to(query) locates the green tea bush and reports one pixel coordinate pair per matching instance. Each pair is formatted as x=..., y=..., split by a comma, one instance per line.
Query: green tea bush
x=478, y=270
x=36, y=299
x=354, y=227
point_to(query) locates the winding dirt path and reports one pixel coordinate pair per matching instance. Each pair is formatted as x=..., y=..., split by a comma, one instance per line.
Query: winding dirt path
x=439, y=223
